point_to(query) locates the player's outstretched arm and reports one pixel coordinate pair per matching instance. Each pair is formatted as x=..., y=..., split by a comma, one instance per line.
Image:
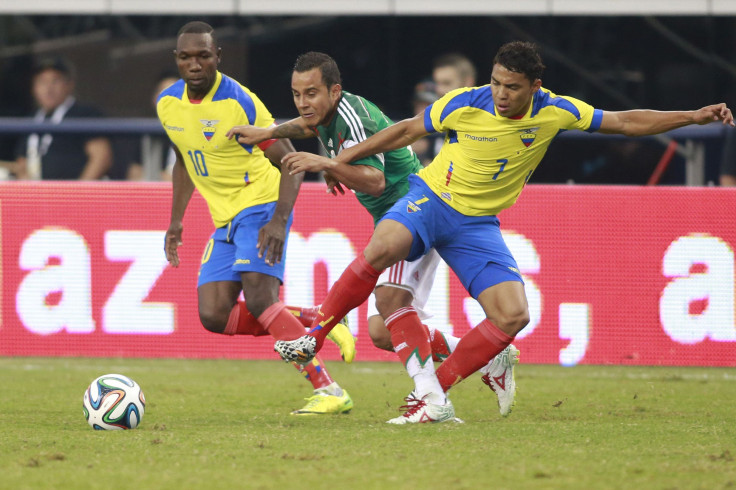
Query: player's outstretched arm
x=359, y=177
x=272, y=236
x=182, y=192
x=252, y=135
x=398, y=135
x=648, y=122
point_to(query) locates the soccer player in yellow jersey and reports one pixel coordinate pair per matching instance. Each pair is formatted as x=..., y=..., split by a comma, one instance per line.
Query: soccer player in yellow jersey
x=495, y=136
x=249, y=199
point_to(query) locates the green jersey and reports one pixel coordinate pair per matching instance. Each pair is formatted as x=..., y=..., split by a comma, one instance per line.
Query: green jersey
x=355, y=120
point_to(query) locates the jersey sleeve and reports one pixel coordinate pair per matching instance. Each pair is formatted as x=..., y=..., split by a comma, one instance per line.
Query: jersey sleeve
x=445, y=112
x=161, y=112
x=359, y=126
x=265, y=145
x=255, y=111
x=587, y=118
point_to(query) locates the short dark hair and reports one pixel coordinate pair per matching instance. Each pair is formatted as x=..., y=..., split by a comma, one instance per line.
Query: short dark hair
x=57, y=63
x=327, y=66
x=521, y=57
x=198, y=27
x=461, y=63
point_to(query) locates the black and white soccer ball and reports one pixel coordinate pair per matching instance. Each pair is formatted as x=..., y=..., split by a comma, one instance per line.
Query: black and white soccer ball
x=113, y=402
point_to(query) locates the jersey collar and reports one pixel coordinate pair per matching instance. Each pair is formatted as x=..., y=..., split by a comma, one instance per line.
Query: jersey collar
x=210, y=94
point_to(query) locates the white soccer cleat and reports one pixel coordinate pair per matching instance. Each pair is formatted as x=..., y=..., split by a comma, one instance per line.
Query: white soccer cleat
x=499, y=376
x=419, y=411
x=300, y=351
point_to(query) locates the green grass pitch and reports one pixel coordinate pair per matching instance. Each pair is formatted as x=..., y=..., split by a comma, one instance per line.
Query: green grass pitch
x=226, y=424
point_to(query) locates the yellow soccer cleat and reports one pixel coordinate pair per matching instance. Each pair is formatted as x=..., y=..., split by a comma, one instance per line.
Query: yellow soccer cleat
x=322, y=403
x=343, y=338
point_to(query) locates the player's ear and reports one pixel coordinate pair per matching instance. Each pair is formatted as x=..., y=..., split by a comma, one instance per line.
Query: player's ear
x=335, y=91
x=219, y=55
x=536, y=85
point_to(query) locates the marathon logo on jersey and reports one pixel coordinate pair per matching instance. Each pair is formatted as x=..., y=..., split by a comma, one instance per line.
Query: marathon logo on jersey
x=446, y=196
x=528, y=136
x=209, y=128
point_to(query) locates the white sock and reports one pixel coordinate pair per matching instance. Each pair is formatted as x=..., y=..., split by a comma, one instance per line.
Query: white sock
x=425, y=381
x=331, y=389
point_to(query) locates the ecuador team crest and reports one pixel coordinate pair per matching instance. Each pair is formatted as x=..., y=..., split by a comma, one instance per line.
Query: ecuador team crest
x=528, y=136
x=208, y=130
x=414, y=207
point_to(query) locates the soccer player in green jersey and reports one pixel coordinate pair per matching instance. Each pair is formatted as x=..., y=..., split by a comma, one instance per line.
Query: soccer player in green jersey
x=250, y=202
x=341, y=120
x=495, y=136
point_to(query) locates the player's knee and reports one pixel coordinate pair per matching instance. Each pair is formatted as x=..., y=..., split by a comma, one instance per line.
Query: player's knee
x=257, y=305
x=513, y=322
x=379, y=334
x=213, y=320
x=389, y=299
x=382, y=253
x=260, y=298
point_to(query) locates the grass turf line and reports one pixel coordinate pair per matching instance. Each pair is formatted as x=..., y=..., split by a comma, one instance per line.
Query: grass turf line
x=219, y=424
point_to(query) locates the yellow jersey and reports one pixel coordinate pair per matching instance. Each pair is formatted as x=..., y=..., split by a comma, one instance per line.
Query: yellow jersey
x=486, y=159
x=230, y=176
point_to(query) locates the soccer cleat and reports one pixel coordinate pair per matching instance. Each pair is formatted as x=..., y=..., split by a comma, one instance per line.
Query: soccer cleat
x=343, y=338
x=499, y=376
x=419, y=411
x=300, y=351
x=323, y=403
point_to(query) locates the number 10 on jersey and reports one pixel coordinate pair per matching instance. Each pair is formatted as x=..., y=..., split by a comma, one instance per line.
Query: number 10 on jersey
x=197, y=158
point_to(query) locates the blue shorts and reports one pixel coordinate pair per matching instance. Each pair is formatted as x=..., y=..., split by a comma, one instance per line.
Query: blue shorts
x=231, y=250
x=471, y=245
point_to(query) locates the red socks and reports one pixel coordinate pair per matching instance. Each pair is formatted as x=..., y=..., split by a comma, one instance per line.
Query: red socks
x=440, y=346
x=474, y=350
x=305, y=315
x=280, y=323
x=349, y=291
x=316, y=373
x=242, y=322
x=409, y=336
x=283, y=325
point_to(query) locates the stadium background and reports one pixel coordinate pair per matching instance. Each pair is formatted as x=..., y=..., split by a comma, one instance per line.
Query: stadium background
x=630, y=275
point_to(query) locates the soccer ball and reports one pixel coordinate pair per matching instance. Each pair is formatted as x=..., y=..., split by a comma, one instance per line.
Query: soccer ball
x=113, y=402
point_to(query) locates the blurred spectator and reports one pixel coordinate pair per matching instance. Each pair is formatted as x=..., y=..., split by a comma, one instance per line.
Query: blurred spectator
x=728, y=164
x=452, y=71
x=60, y=156
x=449, y=72
x=424, y=95
x=130, y=152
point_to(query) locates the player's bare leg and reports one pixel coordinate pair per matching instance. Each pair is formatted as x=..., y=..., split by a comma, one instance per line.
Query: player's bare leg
x=221, y=312
x=507, y=313
x=215, y=303
x=390, y=243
